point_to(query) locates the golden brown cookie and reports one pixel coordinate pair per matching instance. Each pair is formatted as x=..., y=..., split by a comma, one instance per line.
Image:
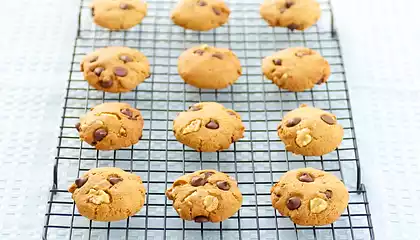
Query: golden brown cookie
x=310, y=131
x=111, y=126
x=118, y=14
x=200, y=15
x=115, y=69
x=293, y=14
x=209, y=67
x=205, y=196
x=296, y=69
x=310, y=197
x=108, y=194
x=208, y=127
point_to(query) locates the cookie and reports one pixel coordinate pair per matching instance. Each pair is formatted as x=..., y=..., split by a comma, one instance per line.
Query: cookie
x=208, y=127
x=111, y=126
x=293, y=14
x=310, y=197
x=209, y=67
x=296, y=69
x=118, y=14
x=200, y=15
x=108, y=194
x=310, y=131
x=205, y=196
x=115, y=69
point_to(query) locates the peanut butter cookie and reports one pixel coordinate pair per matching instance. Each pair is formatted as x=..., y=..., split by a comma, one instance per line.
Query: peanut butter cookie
x=296, y=69
x=310, y=197
x=111, y=126
x=108, y=194
x=310, y=131
x=115, y=69
x=208, y=127
x=205, y=196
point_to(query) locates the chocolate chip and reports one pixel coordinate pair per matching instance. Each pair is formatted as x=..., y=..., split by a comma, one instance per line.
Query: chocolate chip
x=199, y=52
x=328, y=194
x=194, y=108
x=105, y=84
x=124, y=6
x=277, y=62
x=212, y=125
x=208, y=174
x=321, y=81
x=328, y=119
x=93, y=59
x=293, y=122
x=218, y=55
x=100, y=134
x=114, y=180
x=201, y=219
x=202, y=3
x=289, y=4
x=77, y=126
x=125, y=59
x=293, y=203
x=217, y=11
x=98, y=71
x=80, y=182
x=92, y=12
x=120, y=71
x=198, y=181
x=127, y=112
x=305, y=177
x=223, y=185
x=293, y=26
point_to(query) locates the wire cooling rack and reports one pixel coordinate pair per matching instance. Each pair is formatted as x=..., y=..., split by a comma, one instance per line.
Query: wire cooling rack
x=256, y=161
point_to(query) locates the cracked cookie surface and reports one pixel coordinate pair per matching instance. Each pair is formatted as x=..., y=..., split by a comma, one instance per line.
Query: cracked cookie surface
x=296, y=69
x=205, y=196
x=111, y=126
x=208, y=127
x=310, y=131
x=209, y=67
x=118, y=14
x=200, y=15
x=293, y=14
x=108, y=194
x=115, y=69
x=310, y=197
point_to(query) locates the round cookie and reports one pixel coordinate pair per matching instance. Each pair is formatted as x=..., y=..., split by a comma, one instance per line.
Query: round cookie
x=208, y=127
x=205, y=196
x=209, y=67
x=108, y=194
x=293, y=14
x=200, y=15
x=118, y=14
x=310, y=197
x=310, y=131
x=111, y=126
x=296, y=69
x=115, y=69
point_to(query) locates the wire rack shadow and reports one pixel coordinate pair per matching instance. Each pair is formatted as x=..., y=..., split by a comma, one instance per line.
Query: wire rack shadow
x=257, y=161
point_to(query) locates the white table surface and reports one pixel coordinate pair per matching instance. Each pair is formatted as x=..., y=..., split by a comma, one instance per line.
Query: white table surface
x=379, y=41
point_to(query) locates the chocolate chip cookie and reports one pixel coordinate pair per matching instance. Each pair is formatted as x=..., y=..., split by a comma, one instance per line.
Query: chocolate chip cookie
x=293, y=14
x=200, y=15
x=310, y=197
x=205, y=196
x=118, y=14
x=296, y=69
x=111, y=126
x=115, y=69
x=209, y=67
x=108, y=194
x=310, y=131
x=208, y=127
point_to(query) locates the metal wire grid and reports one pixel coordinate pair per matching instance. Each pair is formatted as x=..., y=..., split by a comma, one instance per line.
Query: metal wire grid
x=257, y=161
